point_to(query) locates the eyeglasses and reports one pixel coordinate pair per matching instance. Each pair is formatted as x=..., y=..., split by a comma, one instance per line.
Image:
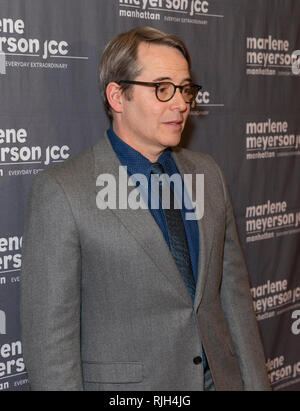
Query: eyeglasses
x=166, y=90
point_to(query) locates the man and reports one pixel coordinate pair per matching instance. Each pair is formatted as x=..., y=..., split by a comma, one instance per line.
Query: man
x=120, y=298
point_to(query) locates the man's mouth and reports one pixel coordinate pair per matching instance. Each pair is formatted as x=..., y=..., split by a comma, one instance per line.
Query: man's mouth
x=177, y=123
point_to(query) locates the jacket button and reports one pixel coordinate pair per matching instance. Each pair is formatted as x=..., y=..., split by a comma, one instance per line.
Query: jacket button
x=197, y=360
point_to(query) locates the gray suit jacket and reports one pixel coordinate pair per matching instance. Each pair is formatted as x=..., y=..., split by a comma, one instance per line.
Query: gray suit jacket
x=103, y=305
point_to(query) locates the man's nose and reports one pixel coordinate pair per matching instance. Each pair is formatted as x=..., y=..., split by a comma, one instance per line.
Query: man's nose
x=177, y=102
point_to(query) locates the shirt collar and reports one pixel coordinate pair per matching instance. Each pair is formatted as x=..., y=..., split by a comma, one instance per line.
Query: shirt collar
x=136, y=163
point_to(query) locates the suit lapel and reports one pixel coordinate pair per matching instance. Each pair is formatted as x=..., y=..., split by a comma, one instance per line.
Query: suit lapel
x=205, y=225
x=140, y=223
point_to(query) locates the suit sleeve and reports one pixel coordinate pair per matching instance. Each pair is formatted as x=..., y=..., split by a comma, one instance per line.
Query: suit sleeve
x=238, y=306
x=50, y=290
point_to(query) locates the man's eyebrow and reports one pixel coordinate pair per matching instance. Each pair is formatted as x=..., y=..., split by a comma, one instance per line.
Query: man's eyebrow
x=188, y=79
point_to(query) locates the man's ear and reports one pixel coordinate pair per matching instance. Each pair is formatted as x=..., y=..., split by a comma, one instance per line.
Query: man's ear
x=114, y=96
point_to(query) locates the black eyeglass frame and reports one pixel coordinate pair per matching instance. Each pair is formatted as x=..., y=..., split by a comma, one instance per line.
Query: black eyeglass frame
x=158, y=84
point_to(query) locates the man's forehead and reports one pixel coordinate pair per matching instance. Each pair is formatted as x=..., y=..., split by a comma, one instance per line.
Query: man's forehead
x=162, y=61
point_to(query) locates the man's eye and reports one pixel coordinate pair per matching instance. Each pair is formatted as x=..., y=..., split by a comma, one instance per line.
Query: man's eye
x=162, y=89
x=188, y=90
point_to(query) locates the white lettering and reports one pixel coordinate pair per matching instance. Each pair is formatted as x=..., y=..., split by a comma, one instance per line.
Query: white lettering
x=2, y=323
x=296, y=324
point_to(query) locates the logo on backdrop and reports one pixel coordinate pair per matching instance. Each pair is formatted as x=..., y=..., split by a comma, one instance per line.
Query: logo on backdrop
x=12, y=365
x=281, y=374
x=10, y=259
x=19, y=158
x=2, y=323
x=270, y=220
x=274, y=298
x=205, y=102
x=39, y=53
x=269, y=56
x=175, y=11
x=270, y=139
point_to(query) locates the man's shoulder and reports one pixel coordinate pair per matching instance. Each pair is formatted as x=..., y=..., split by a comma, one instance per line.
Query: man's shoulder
x=197, y=159
x=75, y=170
x=71, y=176
x=201, y=163
x=79, y=163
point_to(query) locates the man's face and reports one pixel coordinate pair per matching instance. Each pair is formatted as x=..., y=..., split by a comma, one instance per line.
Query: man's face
x=147, y=124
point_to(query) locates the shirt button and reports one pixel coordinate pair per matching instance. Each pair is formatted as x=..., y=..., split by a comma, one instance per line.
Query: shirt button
x=197, y=360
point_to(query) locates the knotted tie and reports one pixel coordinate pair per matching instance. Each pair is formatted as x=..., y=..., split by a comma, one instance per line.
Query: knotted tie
x=177, y=235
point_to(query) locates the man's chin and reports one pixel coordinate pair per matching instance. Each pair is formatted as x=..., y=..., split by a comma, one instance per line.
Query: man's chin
x=172, y=141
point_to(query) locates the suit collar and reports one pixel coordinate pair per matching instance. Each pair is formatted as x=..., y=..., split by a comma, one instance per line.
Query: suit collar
x=141, y=225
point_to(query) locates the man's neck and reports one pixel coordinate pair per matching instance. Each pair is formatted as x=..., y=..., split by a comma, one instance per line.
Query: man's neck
x=151, y=153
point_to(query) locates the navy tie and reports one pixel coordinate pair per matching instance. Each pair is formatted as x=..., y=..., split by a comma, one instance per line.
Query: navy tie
x=177, y=236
